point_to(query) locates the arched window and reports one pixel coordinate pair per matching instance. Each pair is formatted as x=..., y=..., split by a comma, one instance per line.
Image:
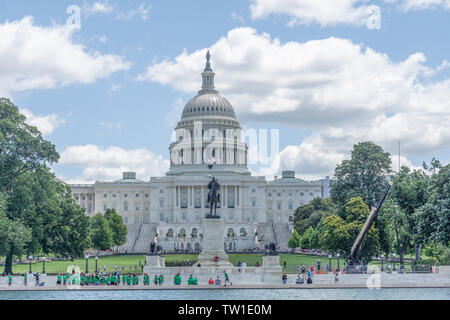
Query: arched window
x=182, y=233
x=243, y=232
x=230, y=232
x=170, y=233
x=194, y=233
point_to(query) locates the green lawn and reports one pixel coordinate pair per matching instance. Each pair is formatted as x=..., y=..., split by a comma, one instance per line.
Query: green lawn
x=53, y=267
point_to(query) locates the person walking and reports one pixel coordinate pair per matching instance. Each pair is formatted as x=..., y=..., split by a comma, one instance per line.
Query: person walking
x=284, y=278
x=227, y=279
x=25, y=279
x=9, y=280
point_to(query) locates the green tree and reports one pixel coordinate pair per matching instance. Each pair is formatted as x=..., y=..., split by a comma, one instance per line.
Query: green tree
x=309, y=239
x=333, y=234
x=294, y=240
x=309, y=215
x=22, y=147
x=410, y=192
x=13, y=236
x=364, y=175
x=101, y=233
x=118, y=227
x=433, y=218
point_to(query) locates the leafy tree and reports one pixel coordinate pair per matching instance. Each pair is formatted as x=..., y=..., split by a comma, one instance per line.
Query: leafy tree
x=294, y=240
x=13, y=236
x=433, y=218
x=333, y=234
x=410, y=192
x=22, y=147
x=118, y=227
x=309, y=215
x=101, y=233
x=309, y=239
x=363, y=175
x=435, y=249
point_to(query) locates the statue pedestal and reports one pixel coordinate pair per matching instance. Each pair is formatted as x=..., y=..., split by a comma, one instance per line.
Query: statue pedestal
x=271, y=269
x=213, y=244
x=154, y=261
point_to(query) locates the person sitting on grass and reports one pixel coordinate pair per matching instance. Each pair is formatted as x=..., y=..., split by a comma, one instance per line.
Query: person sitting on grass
x=161, y=279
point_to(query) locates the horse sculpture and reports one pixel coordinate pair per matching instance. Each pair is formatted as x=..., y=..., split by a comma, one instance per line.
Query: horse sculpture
x=213, y=196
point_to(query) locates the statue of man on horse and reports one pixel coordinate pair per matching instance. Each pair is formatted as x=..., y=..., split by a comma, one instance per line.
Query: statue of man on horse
x=213, y=195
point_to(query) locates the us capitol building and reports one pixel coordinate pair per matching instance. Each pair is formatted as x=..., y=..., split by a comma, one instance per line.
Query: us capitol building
x=170, y=209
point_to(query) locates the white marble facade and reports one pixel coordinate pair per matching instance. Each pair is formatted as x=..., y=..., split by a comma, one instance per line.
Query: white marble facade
x=173, y=205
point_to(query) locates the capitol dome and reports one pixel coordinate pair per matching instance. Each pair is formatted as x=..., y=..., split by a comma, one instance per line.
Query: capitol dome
x=208, y=104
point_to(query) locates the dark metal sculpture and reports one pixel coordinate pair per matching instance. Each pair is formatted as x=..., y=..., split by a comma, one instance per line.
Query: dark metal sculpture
x=213, y=196
x=270, y=249
x=354, y=265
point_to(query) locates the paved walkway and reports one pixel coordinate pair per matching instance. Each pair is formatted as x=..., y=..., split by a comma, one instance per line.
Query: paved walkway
x=441, y=280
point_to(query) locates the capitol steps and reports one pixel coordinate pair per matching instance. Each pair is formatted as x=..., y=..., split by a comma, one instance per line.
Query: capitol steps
x=145, y=237
x=132, y=235
x=282, y=233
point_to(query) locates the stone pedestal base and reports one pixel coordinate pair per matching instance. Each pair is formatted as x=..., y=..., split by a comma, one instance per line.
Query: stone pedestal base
x=271, y=269
x=213, y=244
x=154, y=262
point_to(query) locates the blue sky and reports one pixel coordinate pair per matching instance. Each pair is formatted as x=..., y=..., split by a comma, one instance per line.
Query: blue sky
x=109, y=94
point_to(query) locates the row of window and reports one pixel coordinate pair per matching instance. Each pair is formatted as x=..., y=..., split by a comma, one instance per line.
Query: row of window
x=194, y=233
x=137, y=195
x=290, y=194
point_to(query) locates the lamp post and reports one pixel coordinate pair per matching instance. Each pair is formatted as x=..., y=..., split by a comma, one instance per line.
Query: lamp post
x=87, y=258
x=96, y=260
x=338, y=256
x=43, y=265
x=382, y=258
x=329, y=265
x=29, y=258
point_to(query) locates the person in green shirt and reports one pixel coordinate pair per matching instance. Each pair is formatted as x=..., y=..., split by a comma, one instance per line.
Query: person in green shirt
x=177, y=279
x=161, y=279
x=25, y=279
x=146, y=280
x=9, y=280
x=190, y=280
x=226, y=279
x=128, y=280
x=156, y=279
x=59, y=282
x=195, y=281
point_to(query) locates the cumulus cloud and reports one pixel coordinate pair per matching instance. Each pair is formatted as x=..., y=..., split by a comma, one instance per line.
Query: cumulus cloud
x=36, y=57
x=46, y=124
x=107, y=164
x=339, y=91
x=305, y=12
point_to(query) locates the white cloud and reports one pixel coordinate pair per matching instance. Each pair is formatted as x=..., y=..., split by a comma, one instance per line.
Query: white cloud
x=305, y=12
x=98, y=7
x=237, y=18
x=35, y=57
x=407, y=5
x=46, y=124
x=107, y=164
x=174, y=115
x=340, y=91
